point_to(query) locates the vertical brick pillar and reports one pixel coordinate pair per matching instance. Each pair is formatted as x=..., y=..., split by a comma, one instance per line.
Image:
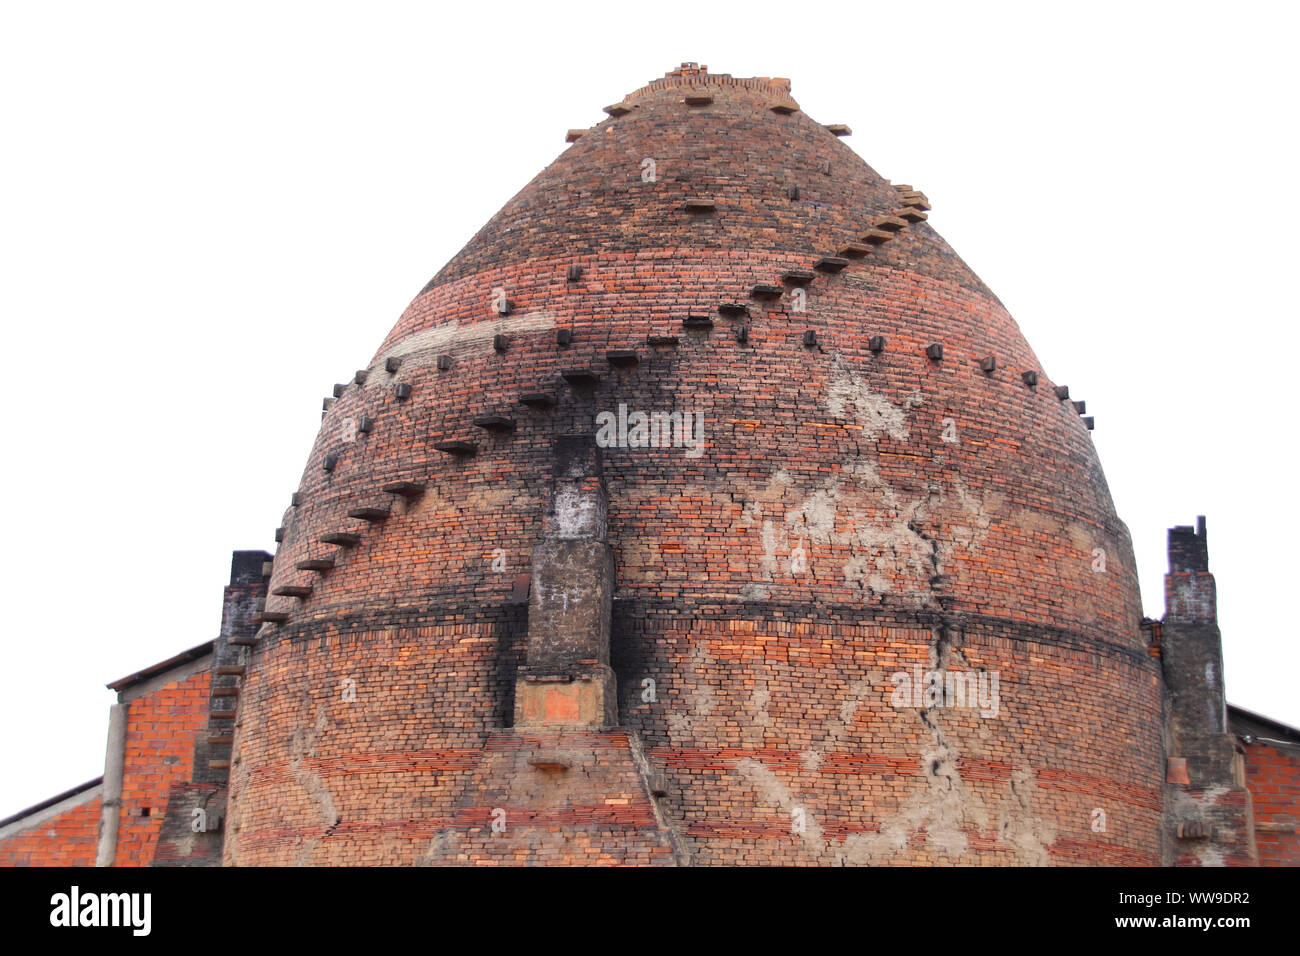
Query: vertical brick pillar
x=566, y=680
x=179, y=843
x=1209, y=819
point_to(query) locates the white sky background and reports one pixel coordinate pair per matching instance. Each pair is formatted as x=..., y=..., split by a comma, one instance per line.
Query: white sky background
x=210, y=214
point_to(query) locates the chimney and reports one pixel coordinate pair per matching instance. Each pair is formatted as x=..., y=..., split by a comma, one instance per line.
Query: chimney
x=1208, y=815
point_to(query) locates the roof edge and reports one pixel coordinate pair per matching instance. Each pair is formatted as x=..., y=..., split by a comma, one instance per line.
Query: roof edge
x=184, y=657
x=1268, y=721
x=52, y=801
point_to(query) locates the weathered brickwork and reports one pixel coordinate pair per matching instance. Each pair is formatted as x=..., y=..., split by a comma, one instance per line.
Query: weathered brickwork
x=1271, y=757
x=1209, y=813
x=1273, y=776
x=852, y=508
x=66, y=839
x=867, y=602
x=161, y=731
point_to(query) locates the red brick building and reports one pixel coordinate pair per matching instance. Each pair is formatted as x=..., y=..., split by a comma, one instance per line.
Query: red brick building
x=705, y=508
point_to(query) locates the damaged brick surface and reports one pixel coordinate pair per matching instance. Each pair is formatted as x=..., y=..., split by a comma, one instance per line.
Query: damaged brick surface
x=737, y=604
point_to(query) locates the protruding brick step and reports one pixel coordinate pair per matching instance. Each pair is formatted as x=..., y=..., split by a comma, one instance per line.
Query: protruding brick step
x=573, y=135
x=1030, y=378
x=271, y=617
x=742, y=333
x=361, y=375
x=1089, y=421
x=218, y=764
x=564, y=336
x=621, y=357
x=618, y=109
x=221, y=740
x=465, y=448
x=344, y=539
x=988, y=364
x=765, y=290
x=392, y=363
x=697, y=322
x=537, y=400
x=242, y=640
x=798, y=277
x=661, y=340
x=831, y=263
x=402, y=391
x=319, y=565
x=809, y=338
x=784, y=107
x=792, y=193
x=407, y=489
x=279, y=534
x=295, y=499
x=700, y=204
x=733, y=309
x=326, y=404
x=876, y=343
x=1080, y=407
x=365, y=424
x=876, y=237
x=934, y=352
x=339, y=389
x=494, y=423
x=911, y=215
x=371, y=513
x=855, y=250
x=231, y=670
x=1062, y=392
x=444, y=363
x=915, y=199
x=500, y=342
x=698, y=99
x=839, y=129
x=890, y=223
x=293, y=590
x=573, y=273
x=580, y=377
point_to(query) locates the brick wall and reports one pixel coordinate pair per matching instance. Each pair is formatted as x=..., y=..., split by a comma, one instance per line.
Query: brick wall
x=160, y=737
x=66, y=839
x=944, y=513
x=1273, y=777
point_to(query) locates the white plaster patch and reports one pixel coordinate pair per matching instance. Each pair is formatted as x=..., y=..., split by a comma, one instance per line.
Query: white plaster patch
x=847, y=396
x=890, y=551
x=423, y=348
x=1025, y=833
x=771, y=789
x=576, y=514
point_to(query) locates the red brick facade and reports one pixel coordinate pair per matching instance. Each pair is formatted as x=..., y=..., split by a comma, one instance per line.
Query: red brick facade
x=1272, y=771
x=886, y=487
x=1273, y=775
x=161, y=731
x=858, y=508
x=66, y=839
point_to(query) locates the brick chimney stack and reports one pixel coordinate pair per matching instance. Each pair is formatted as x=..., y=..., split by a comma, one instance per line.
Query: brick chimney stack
x=1209, y=820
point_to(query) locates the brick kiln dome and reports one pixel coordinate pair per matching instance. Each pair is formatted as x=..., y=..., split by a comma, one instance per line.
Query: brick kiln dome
x=507, y=626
